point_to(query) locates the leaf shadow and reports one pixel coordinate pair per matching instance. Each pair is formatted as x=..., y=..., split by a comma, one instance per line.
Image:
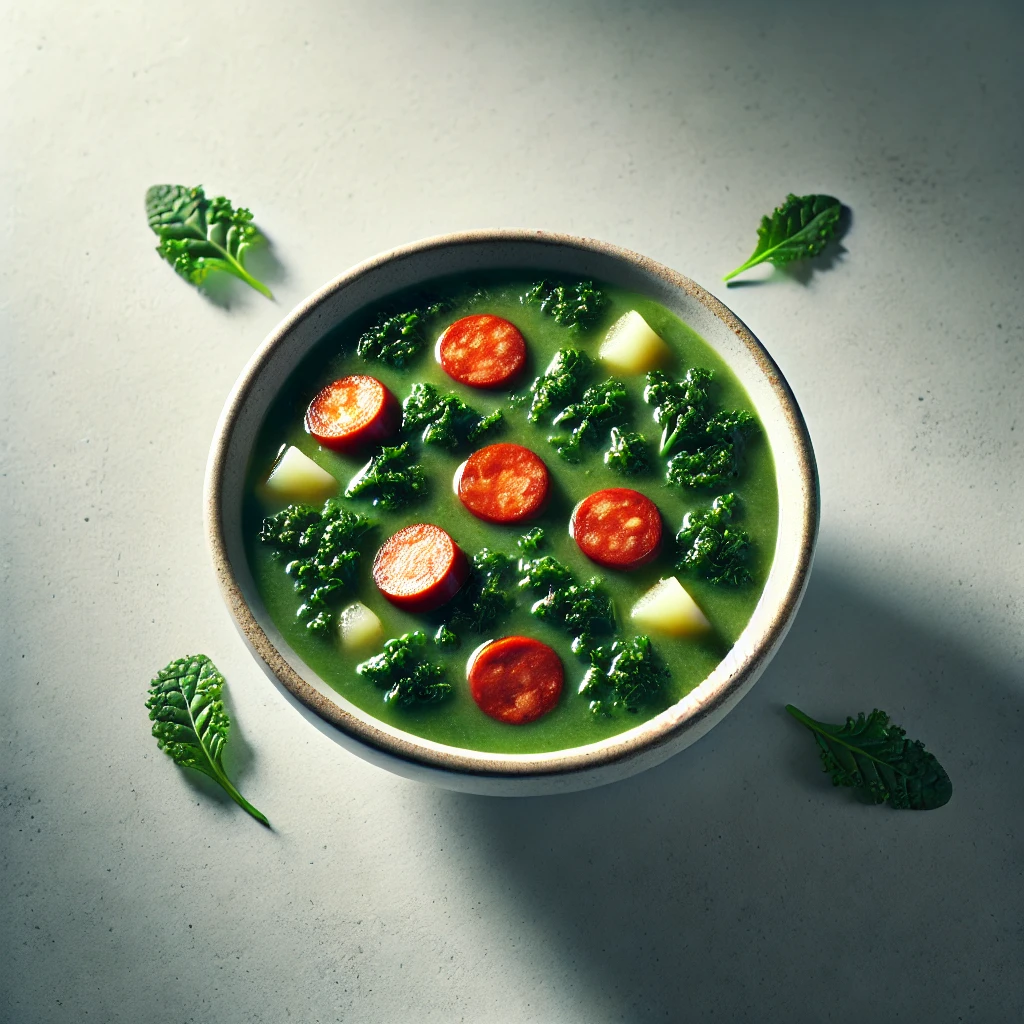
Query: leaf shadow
x=715, y=881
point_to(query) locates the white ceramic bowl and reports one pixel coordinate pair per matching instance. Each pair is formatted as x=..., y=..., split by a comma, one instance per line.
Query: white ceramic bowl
x=515, y=774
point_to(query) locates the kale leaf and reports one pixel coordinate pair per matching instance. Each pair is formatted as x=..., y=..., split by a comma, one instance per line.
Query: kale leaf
x=601, y=406
x=444, y=420
x=398, y=338
x=711, y=547
x=446, y=638
x=403, y=670
x=628, y=453
x=325, y=543
x=560, y=383
x=575, y=306
x=190, y=722
x=531, y=540
x=584, y=610
x=874, y=755
x=198, y=235
x=391, y=479
x=484, y=598
x=796, y=230
x=706, y=442
x=624, y=676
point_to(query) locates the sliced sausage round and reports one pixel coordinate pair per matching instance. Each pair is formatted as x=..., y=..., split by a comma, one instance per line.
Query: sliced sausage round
x=420, y=568
x=515, y=679
x=353, y=413
x=619, y=528
x=503, y=483
x=483, y=351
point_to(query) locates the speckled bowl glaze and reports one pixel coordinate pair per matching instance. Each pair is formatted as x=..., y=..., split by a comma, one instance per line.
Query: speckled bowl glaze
x=515, y=774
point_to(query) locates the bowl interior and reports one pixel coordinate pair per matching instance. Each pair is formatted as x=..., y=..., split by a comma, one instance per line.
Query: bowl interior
x=369, y=282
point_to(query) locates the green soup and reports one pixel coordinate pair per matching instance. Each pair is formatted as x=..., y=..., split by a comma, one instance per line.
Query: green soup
x=457, y=720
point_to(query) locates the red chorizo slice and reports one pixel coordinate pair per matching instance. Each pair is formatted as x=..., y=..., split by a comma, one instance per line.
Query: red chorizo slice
x=515, y=679
x=482, y=351
x=503, y=483
x=353, y=413
x=619, y=528
x=420, y=568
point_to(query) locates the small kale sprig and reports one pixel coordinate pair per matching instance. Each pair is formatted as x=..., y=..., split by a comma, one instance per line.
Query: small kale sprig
x=873, y=755
x=190, y=722
x=398, y=338
x=601, y=406
x=627, y=453
x=711, y=547
x=325, y=543
x=391, y=479
x=796, y=230
x=198, y=235
x=485, y=597
x=624, y=676
x=575, y=306
x=444, y=420
x=706, y=441
x=560, y=383
x=402, y=669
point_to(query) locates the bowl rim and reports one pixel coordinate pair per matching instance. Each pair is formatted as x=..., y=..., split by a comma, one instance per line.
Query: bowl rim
x=622, y=747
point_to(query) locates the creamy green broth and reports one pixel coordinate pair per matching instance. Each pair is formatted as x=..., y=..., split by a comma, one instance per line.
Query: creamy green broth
x=457, y=720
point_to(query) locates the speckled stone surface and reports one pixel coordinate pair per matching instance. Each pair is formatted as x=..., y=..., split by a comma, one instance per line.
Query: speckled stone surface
x=733, y=882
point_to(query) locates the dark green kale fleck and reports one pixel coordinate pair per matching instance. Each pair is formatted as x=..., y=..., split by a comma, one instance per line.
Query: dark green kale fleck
x=583, y=610
x=712, y=548
x=445, y=638
x=627, y=453
x=624, y=676
x=325, y=544
x=706, y=442
x=485, y=597
x=403, y=670
x=398, y=338
x=576, y=306
x=444, y=420
x=391, y=479
x=560, y=383
x=602, y=406
x=531, y=541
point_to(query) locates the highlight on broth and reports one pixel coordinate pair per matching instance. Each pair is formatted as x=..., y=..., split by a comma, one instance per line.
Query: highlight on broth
x=512, y=514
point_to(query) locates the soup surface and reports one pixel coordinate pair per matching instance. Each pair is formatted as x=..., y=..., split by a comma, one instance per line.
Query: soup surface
x=457, y=720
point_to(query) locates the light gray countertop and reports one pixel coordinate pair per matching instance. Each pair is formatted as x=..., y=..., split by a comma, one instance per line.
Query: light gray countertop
x=733, y=883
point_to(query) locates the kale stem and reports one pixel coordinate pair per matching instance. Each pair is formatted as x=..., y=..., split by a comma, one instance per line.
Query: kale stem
x=239, y=799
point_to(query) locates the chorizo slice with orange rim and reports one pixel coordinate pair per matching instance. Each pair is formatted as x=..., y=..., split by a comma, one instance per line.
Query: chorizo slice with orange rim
x=420, y=568
x=353, y=413
x=515, y=679
x=503, y=483
x=483, y=351
x=618, y=528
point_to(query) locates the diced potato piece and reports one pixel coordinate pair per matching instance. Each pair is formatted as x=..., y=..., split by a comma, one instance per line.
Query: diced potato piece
x=296, y=477
x=667, y=608
x=359, y=627
x=631, y=347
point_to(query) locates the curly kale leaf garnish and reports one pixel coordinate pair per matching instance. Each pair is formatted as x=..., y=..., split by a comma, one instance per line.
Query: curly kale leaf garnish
x=397, y=338
x=391, y=479
x=627, y=453
x=706, y=442
x=403, y=670
x=446, y=638
x=873, y=755
x=576, y=306
x=190, y=722
x=485, y=597
x=530, y=541
x=199, y=235
x=796, y=230
x=560, y=383
x=444, y=420
x=712, y=548
x=602, y=406
x=624, y=676
x=584, y=610
x=325, y=543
